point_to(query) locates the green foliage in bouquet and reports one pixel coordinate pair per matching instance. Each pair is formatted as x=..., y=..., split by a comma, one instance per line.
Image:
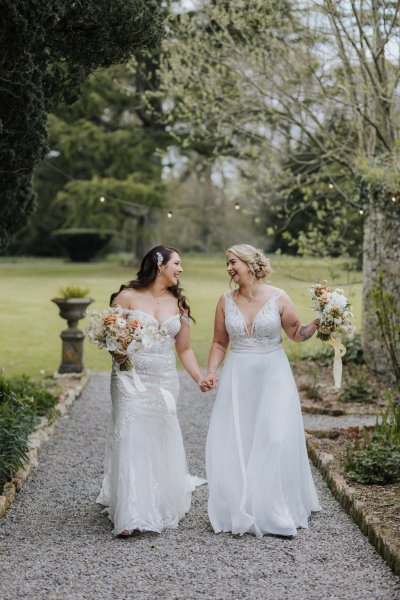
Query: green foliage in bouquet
x=22, y=401
x=376, y=460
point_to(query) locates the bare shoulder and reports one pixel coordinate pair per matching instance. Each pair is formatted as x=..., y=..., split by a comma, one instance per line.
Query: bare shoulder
x=126, y=298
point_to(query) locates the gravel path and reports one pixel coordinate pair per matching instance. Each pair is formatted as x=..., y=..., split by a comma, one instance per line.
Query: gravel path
x=56, y=544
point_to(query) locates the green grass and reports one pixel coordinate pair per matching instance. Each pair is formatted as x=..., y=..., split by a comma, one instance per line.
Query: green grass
x=30, y=324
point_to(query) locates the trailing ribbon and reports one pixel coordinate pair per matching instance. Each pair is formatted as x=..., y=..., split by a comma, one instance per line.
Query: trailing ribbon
x=140, y=387
x=340, y=351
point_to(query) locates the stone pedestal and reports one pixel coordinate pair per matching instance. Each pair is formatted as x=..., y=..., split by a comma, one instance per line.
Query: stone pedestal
x=72, y=350
x=72, y=310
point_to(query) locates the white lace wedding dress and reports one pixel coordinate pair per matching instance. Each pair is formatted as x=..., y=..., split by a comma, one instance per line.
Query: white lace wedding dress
x=146, y=484
x=258, y=472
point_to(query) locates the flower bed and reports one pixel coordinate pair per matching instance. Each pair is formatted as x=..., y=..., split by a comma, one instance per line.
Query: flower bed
x=361, y=392
x=29, y=410
x=375, y=508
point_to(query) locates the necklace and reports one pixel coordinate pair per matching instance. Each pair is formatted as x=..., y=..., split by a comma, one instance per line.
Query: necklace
x=158, y=299
x=250, y=297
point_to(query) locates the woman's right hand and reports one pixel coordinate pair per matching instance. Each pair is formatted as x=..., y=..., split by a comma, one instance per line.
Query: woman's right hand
x=211, y=380
x=119, y=358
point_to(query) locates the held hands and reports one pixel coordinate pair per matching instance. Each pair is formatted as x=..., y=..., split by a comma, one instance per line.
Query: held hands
x=209, y=382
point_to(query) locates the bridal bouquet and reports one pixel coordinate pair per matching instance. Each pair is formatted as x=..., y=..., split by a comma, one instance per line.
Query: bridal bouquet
x=111, y=330
x=333, y=310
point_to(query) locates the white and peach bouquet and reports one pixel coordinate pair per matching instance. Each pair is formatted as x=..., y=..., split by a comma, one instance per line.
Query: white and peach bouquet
x=121, y=334
x=334, y=312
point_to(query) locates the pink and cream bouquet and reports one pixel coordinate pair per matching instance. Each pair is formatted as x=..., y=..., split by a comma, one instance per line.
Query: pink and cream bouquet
x=334, y=312
x=121, y=334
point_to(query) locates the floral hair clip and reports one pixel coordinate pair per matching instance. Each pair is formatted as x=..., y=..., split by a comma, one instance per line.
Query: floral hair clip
x=159, y=259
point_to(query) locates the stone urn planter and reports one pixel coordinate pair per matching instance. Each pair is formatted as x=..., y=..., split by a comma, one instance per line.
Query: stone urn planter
x=72, y=309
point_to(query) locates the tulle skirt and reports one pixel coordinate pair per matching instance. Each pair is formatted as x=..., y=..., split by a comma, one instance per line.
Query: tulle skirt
x=257, y=465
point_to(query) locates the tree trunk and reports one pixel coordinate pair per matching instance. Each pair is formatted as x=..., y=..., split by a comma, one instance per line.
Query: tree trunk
x=147, y=234
x=381, y=255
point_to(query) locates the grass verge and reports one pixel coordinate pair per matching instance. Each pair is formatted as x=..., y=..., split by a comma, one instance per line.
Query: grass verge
x=30, y=325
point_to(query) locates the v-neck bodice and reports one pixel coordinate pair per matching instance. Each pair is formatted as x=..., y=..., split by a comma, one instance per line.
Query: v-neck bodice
x=265, y=333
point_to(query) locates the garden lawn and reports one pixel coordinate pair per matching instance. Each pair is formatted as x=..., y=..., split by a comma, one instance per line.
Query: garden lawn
x=30, y=324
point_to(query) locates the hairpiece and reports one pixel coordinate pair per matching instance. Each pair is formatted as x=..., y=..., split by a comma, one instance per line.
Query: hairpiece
x=159, y=259
x=259, y=254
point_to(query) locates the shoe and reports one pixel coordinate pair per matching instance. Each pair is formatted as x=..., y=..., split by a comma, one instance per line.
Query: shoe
x=126, y=533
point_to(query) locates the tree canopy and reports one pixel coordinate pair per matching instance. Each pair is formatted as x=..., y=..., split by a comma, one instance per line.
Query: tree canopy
x=305, y=96
x=48, y=48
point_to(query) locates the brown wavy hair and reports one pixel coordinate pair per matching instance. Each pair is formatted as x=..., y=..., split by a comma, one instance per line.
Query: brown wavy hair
x=148, y=273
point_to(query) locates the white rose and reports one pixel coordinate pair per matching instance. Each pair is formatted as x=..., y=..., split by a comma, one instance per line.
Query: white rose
x=111, y=344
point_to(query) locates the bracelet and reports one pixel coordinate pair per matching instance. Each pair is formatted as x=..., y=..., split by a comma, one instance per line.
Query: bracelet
x=213, y=372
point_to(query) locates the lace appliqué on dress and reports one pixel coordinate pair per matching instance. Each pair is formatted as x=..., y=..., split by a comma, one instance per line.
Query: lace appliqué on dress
x=266, y=327
x=146, y=483
x=186, y=320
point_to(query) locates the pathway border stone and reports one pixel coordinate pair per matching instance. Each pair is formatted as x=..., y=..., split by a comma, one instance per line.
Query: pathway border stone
x=387, y=546
x=72, y=387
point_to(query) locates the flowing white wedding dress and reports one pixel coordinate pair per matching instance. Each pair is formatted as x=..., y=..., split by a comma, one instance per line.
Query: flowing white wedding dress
x=258, y=472
x=146, y=484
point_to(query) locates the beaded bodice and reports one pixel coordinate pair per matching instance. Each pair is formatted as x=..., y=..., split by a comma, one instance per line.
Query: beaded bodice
x=265, y=334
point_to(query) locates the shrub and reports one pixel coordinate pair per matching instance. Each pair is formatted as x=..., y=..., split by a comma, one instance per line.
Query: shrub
x=359, y=390
x=376, y=460
x=313, y=390
x=80, y=244
x=22, y=401
x=15, y=426
x=387, y=312
x=324, y=354
x=40, y=399
x=354, y=353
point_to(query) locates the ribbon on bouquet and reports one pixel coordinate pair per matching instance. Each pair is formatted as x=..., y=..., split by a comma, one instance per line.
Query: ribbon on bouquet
x=137, y=384
x=340, y=350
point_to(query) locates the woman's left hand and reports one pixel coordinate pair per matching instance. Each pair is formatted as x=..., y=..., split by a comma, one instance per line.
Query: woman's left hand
x=203, y=386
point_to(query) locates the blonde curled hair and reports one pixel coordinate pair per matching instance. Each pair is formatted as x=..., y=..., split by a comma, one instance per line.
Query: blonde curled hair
x=258, y=263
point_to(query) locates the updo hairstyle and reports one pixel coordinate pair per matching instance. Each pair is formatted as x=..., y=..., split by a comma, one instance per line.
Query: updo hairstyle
x=258, y=263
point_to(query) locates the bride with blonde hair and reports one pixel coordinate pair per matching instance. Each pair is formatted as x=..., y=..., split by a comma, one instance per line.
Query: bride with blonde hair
x=258, y=472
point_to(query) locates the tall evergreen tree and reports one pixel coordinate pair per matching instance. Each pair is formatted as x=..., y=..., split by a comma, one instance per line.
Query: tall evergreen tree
x=48, y=48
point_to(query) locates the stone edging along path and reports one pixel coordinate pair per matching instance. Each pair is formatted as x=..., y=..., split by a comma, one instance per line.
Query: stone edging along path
x=387, y=546
x=72, y=387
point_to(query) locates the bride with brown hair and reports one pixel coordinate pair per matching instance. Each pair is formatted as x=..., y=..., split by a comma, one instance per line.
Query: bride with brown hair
x=146, y=484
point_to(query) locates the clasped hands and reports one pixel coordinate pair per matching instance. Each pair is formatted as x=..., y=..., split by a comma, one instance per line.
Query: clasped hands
x=209, y=382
